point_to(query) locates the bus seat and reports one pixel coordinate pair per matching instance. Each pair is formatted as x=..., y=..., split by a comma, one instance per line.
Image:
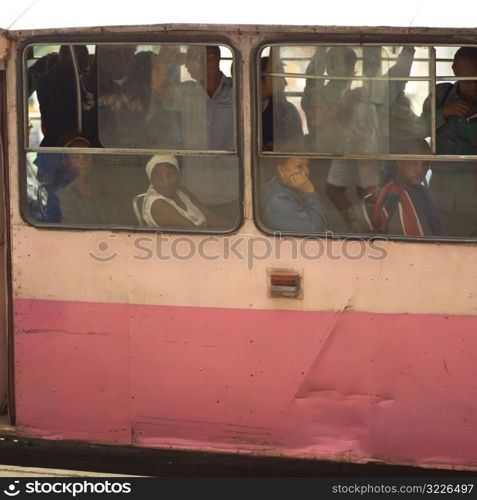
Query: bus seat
x=367, y=208
x=137, y=207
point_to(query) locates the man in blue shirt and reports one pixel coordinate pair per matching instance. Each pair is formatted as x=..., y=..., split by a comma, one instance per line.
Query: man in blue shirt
x=454, y=184
x=291, y=202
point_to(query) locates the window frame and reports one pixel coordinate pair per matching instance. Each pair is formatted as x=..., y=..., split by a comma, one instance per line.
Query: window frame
x=352, y=40
x=123, y=39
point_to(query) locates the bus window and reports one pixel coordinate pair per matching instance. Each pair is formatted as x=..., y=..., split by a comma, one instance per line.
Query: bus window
x=453, y=183
x=162, y=101
x=51, y=84
x=346, y=100
x=363, y=118
x=178, y=98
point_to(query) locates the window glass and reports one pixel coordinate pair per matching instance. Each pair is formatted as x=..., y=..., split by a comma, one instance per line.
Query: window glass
x=155, y=191
x=343, y=100
x=133, y=96
x=363, y=118
x=173, y=98
x=52, y=93
x=456, y=101
x=309, y=195
x=454, y=184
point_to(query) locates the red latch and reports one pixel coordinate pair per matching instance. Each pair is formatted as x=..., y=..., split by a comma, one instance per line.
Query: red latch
x=284, y=284
x=277, y=279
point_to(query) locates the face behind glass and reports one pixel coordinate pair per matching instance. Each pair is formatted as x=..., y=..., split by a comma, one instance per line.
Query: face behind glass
x=291, y=167
x=412, y=172
x=195, y=62
x=165, y=179
x=466, y=67
x=79, y=164
x=340, y=61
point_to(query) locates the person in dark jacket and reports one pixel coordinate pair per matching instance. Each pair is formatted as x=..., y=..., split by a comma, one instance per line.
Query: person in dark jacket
x=281, y=122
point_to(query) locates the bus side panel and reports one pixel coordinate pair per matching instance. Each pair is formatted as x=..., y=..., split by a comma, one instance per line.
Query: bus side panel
x=346, y=385
x=71, y=368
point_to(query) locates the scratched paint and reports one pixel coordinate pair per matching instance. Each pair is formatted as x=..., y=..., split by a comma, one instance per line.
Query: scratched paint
x=314, y=384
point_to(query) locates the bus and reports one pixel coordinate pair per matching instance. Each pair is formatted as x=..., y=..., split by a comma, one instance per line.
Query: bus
x=249, y=236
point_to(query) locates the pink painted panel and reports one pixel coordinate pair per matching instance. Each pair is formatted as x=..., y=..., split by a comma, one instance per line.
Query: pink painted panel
x=219, y=376
x=71, y=370
x=350, y=385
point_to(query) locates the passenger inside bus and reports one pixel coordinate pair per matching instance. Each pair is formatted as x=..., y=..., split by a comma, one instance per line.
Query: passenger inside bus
x=129, y=116
x=404, y=125
x=326, y=105
x=81, y=201
x=281, y=121
x=290, y=201
x=54, y=80
x=205, y=103
x=405, y=205
x=340, y=121
x=168, y=204
x=39, y=68
x=51, y=175
x=454, y=184
x=205, y=106
x=364, y=127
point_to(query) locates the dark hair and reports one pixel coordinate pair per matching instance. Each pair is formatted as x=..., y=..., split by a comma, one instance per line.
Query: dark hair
x=469, y=53
x=82, y=56
x=263, y=66
x=263, y=63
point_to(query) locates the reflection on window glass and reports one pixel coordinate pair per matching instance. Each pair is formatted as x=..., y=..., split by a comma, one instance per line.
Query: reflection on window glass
x=138, y=191
x=132, y=96
x=193, y=97
x=354, y=100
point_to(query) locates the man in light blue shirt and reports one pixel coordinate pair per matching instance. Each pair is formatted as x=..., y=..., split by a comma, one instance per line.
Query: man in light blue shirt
x=290, y=201
x=206, y=109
